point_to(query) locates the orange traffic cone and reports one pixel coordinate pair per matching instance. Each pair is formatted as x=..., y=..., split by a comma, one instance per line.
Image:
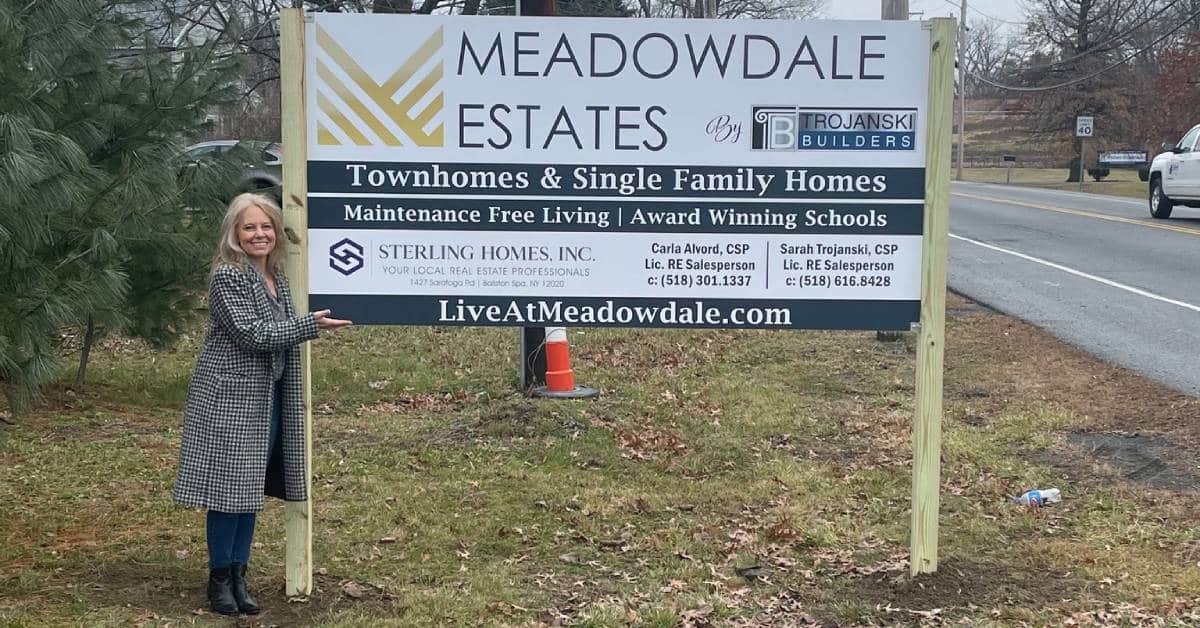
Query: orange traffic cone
x=560, y=379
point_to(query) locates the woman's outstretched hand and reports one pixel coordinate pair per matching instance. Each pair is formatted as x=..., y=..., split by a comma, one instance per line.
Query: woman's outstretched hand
x=324, y=322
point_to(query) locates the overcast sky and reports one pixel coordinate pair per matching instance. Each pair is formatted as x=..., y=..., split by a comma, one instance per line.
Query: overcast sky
x=976, y=9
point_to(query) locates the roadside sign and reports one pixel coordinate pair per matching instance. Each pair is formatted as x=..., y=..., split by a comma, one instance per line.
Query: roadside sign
x=506, y=171
x=632, y=173
x=1084, y=126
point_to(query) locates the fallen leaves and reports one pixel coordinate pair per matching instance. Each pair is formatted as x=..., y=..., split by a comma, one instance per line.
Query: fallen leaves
x=410, y=401
x=1176, y=612
x=697, y=616
x=645, y=443
x=782, y=530
x=353, y=589
x=364, y=590
x=783, y=609
x=739, y=538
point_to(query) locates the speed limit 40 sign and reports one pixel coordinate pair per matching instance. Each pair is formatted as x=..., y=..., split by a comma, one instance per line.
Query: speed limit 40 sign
x=1084, y=126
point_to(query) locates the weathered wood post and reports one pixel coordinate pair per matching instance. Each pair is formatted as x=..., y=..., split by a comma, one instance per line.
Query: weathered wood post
x=927, y=419
x=294, y=134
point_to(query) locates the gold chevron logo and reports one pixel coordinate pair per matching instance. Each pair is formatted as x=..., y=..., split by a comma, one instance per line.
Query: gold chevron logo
x=360, y=124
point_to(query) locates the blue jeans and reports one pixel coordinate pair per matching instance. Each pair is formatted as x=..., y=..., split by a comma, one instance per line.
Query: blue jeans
x=229, y=537
x=230, y=534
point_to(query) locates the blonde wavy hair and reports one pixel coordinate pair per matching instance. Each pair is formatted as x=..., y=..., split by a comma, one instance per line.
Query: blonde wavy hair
x=231, y=253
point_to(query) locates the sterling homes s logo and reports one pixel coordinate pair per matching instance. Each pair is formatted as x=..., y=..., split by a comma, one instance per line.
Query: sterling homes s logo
x=834, y=128
x=346, y=256
x=410, y=98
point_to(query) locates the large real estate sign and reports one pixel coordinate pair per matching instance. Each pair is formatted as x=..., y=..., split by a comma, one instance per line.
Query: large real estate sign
x=632, y=172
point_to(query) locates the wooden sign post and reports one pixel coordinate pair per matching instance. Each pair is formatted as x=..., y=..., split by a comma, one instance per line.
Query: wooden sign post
x=927, y=418
x=295, y=225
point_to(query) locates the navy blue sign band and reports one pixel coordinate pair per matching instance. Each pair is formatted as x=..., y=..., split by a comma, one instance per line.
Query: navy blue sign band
x=616, y=215
x=492, y=180
x=619, y=312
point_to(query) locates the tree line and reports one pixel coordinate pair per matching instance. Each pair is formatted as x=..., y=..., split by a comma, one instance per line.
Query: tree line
x=1133, y=64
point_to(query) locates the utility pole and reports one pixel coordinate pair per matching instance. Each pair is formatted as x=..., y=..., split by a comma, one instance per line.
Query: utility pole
x=894, y=9
x=962, y=86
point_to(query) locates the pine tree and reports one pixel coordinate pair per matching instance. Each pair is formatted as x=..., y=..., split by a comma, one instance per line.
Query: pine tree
x=97, y=228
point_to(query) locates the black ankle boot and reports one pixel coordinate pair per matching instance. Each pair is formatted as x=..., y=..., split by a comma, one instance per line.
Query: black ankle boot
x=245, y=603
x=220, y=591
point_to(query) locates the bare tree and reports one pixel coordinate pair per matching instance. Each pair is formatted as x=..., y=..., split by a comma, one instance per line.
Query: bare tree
x=733, y=9
x=989, y=50
x=1187, y=11
x=393, y=6
x=1079, y=61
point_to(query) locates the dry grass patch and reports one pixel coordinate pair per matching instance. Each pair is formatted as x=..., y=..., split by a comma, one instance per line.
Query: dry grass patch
x=1124, y=183
x=722, y=479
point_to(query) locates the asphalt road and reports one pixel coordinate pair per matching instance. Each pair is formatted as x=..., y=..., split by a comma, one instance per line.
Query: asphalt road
x=1095, y=271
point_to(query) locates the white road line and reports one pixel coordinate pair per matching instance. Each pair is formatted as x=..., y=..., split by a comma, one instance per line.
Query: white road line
x=1079, y=273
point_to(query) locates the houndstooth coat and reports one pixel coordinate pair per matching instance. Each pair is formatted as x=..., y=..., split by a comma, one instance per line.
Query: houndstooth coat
x=223, y=462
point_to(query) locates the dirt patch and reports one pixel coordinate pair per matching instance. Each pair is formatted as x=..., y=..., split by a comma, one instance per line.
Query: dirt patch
x=877, y=580
x=961, y=584
x=158, y=592
x=1137, y=458
x=996, y=364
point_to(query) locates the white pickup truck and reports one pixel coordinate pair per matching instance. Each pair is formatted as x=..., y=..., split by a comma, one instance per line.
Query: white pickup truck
x=1175, y=176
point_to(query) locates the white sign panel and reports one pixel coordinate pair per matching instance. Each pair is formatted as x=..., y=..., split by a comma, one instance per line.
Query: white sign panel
x=616, y=171
x=1084, y=126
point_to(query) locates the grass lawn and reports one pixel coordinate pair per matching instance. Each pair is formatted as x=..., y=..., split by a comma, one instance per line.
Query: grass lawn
x=723, y=478
x=1117, y=183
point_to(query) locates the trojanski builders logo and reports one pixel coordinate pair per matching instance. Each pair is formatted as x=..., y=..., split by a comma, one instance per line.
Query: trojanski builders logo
x=346, y=256
x=834, y=128
x=356, y=108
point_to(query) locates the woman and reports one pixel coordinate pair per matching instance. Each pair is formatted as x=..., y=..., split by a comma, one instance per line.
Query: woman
x=243, y=431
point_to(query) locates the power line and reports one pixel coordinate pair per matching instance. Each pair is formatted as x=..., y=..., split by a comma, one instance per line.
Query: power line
x=1109, y=45
x=1093, y=75
x=1106, y=46
x=987, y=15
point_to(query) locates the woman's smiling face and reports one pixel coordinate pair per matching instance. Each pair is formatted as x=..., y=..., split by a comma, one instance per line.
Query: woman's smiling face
x=256, y=234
